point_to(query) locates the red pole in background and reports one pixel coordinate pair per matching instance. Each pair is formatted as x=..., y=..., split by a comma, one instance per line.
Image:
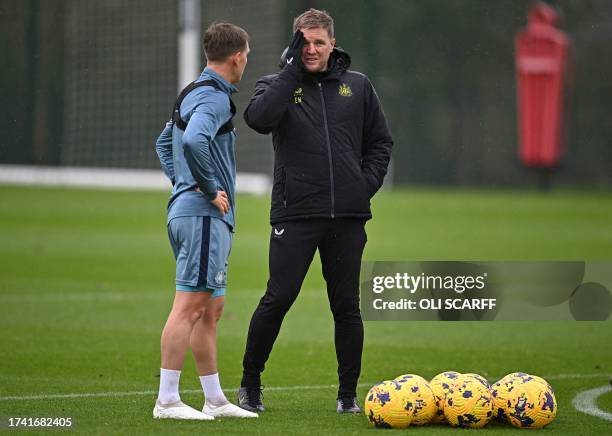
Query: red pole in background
x=541, y=73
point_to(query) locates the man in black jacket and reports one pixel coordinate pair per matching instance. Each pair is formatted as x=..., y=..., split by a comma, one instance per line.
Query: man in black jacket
x=331, y=151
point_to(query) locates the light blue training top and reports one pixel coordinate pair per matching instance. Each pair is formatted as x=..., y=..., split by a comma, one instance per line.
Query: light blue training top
x=197, y=157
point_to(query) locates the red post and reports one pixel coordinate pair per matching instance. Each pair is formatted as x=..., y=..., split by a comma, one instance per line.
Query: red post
x=541, y=65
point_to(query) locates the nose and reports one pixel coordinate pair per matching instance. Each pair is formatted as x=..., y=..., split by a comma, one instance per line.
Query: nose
x=310, y=48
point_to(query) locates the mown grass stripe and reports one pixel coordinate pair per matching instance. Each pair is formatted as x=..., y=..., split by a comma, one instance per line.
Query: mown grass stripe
x=270, y=389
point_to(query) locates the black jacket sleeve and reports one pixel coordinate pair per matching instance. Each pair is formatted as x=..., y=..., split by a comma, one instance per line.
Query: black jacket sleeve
x=377, y=142
x=271, y=98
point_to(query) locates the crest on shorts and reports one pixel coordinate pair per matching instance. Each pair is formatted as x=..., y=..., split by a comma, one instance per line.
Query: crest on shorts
x=345, y=90
x=220, y=277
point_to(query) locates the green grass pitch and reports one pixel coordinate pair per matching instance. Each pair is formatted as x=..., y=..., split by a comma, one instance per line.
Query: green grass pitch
x=86, y=282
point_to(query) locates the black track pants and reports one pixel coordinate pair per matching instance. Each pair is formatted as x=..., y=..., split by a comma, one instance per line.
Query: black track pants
x=292, y=247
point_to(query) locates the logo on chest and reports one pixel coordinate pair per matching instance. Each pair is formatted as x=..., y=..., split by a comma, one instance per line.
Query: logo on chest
x=298, y=96
x=345, y=91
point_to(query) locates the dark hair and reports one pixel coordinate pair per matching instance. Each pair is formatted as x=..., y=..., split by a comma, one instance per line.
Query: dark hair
x=222, y=40
x=314, y=18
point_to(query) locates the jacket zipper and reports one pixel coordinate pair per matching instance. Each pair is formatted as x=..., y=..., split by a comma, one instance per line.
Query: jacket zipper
x=284, y=178
x=329, y=152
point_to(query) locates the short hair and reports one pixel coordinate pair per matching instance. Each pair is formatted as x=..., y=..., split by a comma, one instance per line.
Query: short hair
x=314, y=18
x=222, y=40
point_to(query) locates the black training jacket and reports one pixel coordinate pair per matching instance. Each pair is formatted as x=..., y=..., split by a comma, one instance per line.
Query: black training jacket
x=331, y=141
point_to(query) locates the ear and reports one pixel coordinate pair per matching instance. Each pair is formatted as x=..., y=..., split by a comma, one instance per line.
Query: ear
x=333, y=42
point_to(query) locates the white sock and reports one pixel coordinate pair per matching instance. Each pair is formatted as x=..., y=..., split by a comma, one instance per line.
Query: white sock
x=212, y=389
x=169, y=386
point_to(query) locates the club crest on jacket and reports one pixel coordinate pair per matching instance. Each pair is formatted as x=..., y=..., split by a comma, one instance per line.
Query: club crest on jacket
x=345, y=90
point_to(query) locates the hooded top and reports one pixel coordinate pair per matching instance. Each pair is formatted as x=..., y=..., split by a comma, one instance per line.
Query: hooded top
x=331, y=140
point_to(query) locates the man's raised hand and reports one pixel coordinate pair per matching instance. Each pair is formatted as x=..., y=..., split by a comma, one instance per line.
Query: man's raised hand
x=294, y=51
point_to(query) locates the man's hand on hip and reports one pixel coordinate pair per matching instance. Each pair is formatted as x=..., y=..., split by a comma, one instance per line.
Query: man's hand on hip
x=221, y=202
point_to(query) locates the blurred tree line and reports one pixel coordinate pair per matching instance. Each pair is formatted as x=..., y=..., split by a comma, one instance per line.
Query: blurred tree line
x=444, y=70
x=445, y=73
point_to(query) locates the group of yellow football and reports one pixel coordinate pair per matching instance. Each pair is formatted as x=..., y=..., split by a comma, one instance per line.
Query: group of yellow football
x=461, y=400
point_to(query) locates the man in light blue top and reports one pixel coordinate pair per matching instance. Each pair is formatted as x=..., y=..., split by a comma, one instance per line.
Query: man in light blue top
x=196, y=152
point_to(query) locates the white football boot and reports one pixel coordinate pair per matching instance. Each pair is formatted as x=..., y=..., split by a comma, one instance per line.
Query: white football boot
x=179, y=410
x=227, y=410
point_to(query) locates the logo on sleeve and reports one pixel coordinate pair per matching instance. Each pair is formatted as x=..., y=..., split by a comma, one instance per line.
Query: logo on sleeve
x=345, y=90
x=278, y=232
x=298, y=95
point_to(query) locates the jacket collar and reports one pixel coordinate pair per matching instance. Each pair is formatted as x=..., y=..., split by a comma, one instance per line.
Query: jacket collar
x=339, y=61
x=209, y=74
